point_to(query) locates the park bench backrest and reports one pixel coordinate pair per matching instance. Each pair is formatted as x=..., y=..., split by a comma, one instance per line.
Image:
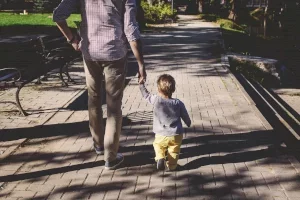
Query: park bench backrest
x=25, y=55
x=34, y=58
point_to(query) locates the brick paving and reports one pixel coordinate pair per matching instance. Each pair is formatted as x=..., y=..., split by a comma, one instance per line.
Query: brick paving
x=229, y=152
x=40, y=101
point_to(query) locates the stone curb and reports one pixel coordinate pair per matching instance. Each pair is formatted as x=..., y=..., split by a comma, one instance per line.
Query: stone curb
x=225, y=64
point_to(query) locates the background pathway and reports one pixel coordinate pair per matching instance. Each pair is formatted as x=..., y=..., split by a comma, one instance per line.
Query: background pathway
x=228, y=153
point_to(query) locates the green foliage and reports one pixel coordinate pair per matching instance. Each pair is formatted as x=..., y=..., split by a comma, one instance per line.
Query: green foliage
x=224, y=23
x=157, y=13
x=45, y=5
x=228, y=24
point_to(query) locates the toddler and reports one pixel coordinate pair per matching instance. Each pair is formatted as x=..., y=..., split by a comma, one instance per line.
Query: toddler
x=167, y=126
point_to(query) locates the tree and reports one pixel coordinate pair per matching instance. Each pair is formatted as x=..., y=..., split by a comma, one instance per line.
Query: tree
x=234, y=9
x=140, y=15
x=201, y=6
x=238, y=9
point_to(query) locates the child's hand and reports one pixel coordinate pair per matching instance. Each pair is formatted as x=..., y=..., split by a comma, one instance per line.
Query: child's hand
x=141, y=80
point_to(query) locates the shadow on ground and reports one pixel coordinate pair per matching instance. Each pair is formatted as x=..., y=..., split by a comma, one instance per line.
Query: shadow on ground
x=201, y=150
x=28, y=29
x=214, y=164
x=231, y=148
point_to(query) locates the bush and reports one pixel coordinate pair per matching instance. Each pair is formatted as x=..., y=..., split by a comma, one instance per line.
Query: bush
x=251, y=71
x=157, y=13
x=228, y=24
x=224, y=23
x=45, y=5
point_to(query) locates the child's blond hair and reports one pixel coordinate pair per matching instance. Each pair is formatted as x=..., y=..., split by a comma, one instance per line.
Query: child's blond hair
x=166, y=84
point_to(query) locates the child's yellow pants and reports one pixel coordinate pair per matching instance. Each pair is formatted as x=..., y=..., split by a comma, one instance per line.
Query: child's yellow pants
x=170, y=143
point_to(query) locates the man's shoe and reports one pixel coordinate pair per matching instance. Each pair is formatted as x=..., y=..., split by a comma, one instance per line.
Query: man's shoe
x=114, y=164
x=161, y=164
x=99, y=150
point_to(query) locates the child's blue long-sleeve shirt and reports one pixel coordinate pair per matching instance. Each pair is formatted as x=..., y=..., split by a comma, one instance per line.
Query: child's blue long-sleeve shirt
x=167, y=114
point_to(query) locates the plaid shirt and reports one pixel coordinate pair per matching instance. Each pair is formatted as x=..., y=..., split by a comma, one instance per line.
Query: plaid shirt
x=104, y=27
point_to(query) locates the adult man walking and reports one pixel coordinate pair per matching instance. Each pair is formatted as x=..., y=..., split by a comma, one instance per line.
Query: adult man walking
x=104, y=28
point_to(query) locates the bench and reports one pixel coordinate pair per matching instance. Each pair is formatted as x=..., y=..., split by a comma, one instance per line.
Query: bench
x=34, y=60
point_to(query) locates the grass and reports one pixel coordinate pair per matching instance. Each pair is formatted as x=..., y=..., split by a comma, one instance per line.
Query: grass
x=13, y=19
x=230, y=25
x=224, y=23
x=34, y=23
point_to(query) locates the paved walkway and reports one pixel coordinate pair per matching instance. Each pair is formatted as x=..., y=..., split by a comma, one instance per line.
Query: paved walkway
x=42, y=102
x=226, y=154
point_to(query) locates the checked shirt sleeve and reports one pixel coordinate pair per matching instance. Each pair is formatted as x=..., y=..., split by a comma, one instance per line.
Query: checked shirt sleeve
x=64, y=10
x=131, y=28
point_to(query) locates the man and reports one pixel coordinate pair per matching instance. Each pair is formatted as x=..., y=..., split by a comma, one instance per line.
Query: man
x=104, y=28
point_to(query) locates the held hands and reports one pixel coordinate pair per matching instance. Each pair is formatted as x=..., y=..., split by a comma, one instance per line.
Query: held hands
x=142, y=74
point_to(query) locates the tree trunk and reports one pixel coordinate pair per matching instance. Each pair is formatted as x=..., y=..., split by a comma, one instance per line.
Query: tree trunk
x=201, y=6
x=233, y=14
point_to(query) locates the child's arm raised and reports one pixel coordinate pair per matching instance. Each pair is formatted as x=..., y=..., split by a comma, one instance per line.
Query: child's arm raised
x=149, y=97
x=184, y=115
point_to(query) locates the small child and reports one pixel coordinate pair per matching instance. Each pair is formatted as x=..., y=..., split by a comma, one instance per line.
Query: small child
x=167, y=124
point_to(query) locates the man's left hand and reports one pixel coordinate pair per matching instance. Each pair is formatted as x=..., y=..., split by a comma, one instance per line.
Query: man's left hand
x=142, y=74
x=75, y=45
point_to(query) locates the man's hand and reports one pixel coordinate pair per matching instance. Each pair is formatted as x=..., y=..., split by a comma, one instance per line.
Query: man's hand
x=75, y=43
x=142, y=74
x=136, y=47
